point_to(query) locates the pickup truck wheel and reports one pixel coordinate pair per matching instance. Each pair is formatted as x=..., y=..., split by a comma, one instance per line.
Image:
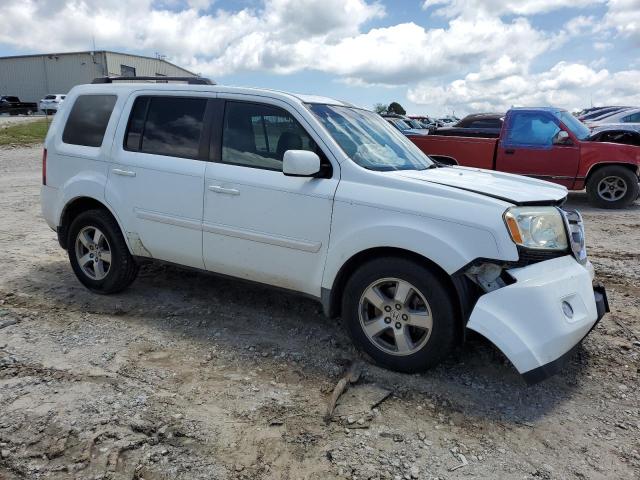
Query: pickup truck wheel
x=400, y=314
x=99, y=254
x=613, y=187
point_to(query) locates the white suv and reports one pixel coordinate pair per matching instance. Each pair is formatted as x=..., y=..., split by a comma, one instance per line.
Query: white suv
x=50, y=103
x=322, y=198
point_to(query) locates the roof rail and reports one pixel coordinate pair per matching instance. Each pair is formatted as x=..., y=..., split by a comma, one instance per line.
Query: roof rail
x=189, y=80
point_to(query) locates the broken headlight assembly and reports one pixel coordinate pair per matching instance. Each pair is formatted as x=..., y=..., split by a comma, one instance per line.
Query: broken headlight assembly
x=539, y=228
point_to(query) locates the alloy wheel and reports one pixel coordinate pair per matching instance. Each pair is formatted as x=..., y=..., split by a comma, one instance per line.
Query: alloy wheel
x=612, y=188
x=93, y=253
x=395, y=316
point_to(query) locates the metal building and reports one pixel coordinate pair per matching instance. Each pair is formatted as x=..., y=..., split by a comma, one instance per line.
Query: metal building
x=31, y=77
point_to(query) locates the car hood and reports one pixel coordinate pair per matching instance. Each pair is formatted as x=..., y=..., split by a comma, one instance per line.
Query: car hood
x=504, y=186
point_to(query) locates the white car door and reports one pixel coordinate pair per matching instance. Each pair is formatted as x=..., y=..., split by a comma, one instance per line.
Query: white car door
x=156, y=180
x=258, y=223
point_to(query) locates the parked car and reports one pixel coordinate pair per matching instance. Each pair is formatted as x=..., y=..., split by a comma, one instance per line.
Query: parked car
x=595, y=112
x=427, y=122
x=50, y=103
x=486, y=125
x=405, y=125
x=448, y=121
x=628, y=115
x=325, y=199
x=550, y=144
x=13, y=106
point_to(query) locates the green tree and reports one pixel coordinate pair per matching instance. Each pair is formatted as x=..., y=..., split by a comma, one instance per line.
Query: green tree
x=380, y=108
x=395, y=107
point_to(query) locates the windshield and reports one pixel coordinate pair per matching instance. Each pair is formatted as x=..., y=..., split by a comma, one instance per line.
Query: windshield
x=398, y=123
x=369, y=140
x=414, y=124
x=578, y=128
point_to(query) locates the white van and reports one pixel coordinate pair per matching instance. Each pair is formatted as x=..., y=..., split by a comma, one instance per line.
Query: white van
x=325, y=199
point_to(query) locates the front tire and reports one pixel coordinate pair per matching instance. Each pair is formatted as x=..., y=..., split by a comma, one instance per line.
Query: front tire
x=613, y=186
x=99, y=254
x=400, y=314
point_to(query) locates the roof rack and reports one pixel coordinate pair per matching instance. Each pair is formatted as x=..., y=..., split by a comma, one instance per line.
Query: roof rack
x=189, y=80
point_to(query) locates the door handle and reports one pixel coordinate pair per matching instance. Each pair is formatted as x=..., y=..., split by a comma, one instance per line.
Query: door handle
x=124, y=173
x=509, y=151
x=227, y=191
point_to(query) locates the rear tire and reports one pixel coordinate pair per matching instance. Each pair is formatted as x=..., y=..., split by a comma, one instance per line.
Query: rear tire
x=400, y=314
x=99, y=254
x=613, y=186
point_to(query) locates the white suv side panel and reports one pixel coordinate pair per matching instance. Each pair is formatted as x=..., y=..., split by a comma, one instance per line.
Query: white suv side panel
x=159, y=198
x=75, y=171
x=264, y=226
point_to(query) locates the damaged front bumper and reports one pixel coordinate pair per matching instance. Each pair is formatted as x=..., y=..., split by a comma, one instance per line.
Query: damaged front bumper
x=539, y=319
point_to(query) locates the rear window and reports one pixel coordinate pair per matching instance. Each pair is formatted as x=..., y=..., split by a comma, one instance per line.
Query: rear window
x=50, y=97
x=88, y=120
x=169, y=126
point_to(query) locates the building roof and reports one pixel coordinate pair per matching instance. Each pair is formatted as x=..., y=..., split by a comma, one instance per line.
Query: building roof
x=89, y=52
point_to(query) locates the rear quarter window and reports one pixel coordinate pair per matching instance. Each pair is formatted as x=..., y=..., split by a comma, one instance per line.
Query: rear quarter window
x=88, y=120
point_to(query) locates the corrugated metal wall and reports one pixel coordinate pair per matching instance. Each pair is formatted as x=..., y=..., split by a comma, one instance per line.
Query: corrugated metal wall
x=144, y=66
x=33, y=77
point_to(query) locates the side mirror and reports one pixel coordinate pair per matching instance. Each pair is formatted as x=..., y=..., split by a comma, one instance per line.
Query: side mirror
x=562, y=138
x=300, y=163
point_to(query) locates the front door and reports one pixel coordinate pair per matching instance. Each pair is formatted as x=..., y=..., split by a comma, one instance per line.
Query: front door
x=258, y=223
x=526, y=147
x=156, y=179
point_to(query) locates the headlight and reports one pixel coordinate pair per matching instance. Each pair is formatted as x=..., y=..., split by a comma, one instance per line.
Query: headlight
x=537, y=227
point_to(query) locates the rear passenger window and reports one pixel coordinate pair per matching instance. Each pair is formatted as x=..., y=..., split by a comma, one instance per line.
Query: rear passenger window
x=88, y=120
x=257, y=135
x=169, y=126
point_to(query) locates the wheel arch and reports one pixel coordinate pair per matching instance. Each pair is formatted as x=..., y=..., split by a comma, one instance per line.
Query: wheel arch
x=462, y=292
x=75, y=207
x=599, y=166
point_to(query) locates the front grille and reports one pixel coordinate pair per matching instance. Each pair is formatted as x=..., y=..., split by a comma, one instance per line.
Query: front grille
x=528, y=256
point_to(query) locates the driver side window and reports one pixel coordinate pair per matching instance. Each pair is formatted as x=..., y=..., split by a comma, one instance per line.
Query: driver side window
x=531, y=129
x=257, y=136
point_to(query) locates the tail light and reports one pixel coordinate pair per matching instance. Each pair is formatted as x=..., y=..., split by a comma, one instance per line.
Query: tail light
x=44, y=166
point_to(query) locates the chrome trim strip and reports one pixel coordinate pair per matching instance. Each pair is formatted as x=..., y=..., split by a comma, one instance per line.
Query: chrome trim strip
x=168, y=219
x=268, y=238
x=556, y=177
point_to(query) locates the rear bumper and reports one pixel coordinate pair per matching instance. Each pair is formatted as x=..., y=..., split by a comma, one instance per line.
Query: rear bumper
x=538, y=321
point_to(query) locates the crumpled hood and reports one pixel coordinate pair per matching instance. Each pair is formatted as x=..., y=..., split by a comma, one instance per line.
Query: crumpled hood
x=505, y=186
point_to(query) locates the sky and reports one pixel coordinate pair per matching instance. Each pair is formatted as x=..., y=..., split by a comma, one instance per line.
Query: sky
x=434, y=57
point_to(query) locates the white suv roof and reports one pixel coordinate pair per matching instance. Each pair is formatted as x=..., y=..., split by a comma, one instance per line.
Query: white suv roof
x=135, y=86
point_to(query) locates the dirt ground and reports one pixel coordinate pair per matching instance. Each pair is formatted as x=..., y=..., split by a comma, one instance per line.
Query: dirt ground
x=189, y=376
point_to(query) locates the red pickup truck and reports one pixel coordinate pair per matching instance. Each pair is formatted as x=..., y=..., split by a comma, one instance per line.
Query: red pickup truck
x=550, y=144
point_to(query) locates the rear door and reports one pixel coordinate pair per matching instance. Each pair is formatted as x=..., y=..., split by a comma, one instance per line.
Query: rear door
x=526, y=147
x=258, y=223
x=156, y=180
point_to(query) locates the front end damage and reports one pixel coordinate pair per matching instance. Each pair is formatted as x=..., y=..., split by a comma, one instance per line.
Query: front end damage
x=536, y=314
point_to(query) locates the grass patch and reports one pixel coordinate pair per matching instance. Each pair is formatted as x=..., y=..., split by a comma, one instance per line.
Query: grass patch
x=26, y=133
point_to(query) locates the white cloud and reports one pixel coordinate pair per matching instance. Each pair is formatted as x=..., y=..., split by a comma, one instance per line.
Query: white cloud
x=624, y=17
x=580, y=25
x=490, y=46
x=453, y=8
x=568, y=85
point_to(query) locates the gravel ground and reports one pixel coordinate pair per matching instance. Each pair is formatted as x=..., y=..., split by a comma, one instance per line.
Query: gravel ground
x=6, y=120
x=188, y=376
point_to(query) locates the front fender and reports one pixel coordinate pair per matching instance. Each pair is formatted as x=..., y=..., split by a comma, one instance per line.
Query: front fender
x=450, y=245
